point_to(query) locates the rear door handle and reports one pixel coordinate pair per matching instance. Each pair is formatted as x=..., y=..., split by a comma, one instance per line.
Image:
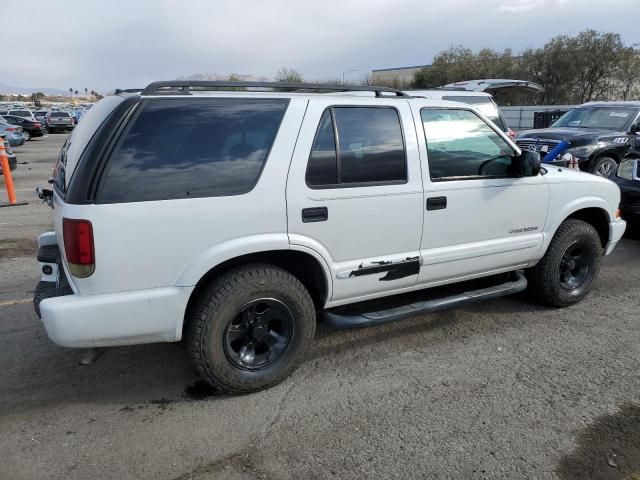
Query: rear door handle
x=316, y=214
x=436, y=203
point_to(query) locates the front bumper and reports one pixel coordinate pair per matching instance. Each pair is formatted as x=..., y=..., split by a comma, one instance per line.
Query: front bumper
x=616, y=230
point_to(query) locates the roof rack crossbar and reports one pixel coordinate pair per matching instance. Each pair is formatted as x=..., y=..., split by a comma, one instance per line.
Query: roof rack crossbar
x=184, y=87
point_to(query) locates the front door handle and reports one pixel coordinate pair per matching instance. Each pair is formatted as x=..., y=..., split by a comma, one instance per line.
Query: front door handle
x=316, y=214
x=436, y=203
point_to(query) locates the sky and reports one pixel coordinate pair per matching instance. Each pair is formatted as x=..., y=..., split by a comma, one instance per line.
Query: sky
x=107, y=44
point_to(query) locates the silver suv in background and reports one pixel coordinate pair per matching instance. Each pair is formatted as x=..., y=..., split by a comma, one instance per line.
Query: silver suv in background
x=59, y=121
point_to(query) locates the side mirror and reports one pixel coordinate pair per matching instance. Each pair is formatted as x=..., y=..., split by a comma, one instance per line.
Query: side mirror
x=635, y=129
x=527, y=164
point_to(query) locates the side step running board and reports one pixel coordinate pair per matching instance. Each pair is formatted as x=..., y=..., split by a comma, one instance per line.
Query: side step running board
x=518, y=284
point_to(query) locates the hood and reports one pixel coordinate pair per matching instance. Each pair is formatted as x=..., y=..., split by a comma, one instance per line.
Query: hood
x=576, y=136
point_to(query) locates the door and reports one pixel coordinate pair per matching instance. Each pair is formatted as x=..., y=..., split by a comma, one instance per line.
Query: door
x=480, y=216
x=354, y=194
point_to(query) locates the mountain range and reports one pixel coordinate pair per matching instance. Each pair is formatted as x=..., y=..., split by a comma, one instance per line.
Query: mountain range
x=11, y=89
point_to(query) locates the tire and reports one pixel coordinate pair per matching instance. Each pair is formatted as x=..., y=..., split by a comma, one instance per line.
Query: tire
x=548, y=280
x=222, y=312
x=26, y=135
x=603, y=166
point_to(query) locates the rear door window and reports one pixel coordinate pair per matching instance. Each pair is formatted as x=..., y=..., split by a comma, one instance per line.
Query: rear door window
x=186, y=148
x=357, y=146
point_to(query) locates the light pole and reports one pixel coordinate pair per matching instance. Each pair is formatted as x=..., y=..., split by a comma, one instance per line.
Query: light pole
x=344, y=73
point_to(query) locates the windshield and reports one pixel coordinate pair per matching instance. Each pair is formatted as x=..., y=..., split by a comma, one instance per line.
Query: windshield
x=20, y=113
x=484, y=104
x=59, y=114
x=608, y=118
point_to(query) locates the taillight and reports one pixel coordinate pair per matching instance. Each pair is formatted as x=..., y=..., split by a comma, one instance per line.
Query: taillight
x=11, y=129
x=78, y=246
x=37, y=125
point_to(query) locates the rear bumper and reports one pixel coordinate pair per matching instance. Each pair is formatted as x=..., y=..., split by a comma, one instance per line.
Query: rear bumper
x=144, y=316
x=74, y=320
x=616, y=230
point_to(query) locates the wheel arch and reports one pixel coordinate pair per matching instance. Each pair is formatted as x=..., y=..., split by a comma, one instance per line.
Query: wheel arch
x=310, y=270
x=598, y=218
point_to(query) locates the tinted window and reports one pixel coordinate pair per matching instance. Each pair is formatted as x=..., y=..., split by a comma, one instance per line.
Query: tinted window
x=370, y=148
x=610, y=118
x=180, y=148
x=460, y=144
x=59, y=114
x=485, y=105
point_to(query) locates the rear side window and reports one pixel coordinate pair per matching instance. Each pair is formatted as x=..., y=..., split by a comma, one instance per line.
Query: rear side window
x=185, y=148
x=357, y=146
x=59, y=115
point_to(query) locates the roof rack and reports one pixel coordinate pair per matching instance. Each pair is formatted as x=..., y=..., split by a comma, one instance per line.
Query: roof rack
x=185, y=87
x=128, y=90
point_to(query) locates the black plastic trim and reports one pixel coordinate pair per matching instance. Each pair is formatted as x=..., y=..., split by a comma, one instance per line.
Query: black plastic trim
x=518, y=284
x=185, y=87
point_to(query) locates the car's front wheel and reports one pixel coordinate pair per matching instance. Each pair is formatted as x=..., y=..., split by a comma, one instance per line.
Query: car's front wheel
x=250, y=328
x=603, y=166
x=566, y=273
x=26, y=135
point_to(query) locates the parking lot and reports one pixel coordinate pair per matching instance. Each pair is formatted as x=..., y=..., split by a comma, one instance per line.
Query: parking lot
x=500, y=389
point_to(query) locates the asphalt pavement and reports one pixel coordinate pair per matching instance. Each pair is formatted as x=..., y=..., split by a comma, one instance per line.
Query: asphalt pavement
x=501, y=389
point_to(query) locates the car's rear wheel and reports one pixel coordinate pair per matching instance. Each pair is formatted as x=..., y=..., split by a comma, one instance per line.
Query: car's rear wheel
x=26, y=135
x=566, y=273
x=603, y=166
x=250, y=328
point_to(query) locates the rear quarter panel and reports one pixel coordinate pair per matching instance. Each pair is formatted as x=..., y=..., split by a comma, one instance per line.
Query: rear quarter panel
x=153, y=244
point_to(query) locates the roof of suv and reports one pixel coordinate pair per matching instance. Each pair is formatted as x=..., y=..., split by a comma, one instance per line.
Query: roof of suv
x=628, y=103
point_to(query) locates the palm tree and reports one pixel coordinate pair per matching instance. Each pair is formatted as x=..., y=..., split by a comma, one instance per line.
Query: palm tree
x=76, y=93
x=86, y=92
x=71, y=92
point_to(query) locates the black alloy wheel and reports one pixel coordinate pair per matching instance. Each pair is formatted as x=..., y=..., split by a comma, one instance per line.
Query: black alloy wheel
x=259, y=334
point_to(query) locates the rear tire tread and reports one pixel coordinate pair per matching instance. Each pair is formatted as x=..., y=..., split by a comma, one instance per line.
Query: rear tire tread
x=214, y=296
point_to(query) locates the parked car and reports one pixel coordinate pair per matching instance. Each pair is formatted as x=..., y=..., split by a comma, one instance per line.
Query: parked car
x=59, y=121
x=21, y=113
x=480, y=100
x=41, y=115
x=12, y=133
x=627, y=176
x=234, y=219
x=599, y=135
x=13, y=160
x=30, y=128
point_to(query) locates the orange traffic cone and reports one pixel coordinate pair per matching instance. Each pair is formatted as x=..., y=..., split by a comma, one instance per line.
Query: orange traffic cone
x=8, y=181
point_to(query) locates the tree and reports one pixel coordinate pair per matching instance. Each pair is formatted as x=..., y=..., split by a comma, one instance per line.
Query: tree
x=86, y=92
x=459, y=63
x=628, y=75
x=76, y=92
x=289, y=75
x=71, y=92
x=595, y=56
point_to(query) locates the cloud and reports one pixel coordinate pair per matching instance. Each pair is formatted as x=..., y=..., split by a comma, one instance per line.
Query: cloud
x=104, y=45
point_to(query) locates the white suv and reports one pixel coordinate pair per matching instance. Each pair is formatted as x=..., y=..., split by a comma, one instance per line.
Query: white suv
x=232, y=219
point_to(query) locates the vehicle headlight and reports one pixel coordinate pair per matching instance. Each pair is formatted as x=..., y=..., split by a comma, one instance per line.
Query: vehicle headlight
x=582, y=152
